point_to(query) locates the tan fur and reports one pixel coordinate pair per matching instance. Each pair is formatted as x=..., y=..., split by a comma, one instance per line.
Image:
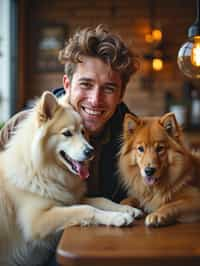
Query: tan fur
x=172, y=192
x=39, y=192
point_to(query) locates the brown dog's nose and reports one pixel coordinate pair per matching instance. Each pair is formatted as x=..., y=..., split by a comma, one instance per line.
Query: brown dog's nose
x=149, y=171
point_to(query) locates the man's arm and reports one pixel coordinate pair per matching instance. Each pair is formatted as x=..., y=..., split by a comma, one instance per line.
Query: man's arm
x=9, y=128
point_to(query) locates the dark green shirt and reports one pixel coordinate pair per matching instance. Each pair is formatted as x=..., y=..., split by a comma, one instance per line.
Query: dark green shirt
x=104, y=179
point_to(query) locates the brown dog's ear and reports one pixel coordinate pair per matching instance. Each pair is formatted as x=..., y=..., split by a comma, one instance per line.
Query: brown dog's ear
x=169, y=122
x=131, y=121
x=47, y=106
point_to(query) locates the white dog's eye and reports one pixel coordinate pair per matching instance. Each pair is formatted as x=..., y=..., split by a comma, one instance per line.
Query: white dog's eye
x=67, y=133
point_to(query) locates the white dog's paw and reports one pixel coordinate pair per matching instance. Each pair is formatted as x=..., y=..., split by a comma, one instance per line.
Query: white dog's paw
x=117, y=219
x=120, y=219
x=136, y=213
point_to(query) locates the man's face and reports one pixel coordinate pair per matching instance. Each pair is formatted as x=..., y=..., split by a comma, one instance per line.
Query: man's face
x=95, y=92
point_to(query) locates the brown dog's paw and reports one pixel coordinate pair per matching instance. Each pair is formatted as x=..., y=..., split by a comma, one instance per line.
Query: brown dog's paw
x=156, y=219
x=131, y=202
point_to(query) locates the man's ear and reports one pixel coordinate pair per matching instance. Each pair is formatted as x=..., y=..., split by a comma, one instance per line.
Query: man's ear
x=169, y=122
x=131, y=122
x=66, y=84
x=47, y=106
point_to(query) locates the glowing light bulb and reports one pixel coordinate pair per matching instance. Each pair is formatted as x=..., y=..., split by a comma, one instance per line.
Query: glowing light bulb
x=189, y=54
x=157, y=35
x=195, y=56
x=148, y=38
x=157, y=64
x=154, y=36
x=189, y=58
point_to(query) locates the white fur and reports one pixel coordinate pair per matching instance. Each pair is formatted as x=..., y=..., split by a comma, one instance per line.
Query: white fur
x=37, y=190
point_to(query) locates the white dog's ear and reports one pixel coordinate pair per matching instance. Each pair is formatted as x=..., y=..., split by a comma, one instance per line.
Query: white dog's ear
x=131, y=121
x=47, y=107
x=169, y=122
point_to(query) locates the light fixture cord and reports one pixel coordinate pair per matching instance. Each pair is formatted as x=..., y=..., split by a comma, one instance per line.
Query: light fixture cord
x=198, y=11
x=194, y=29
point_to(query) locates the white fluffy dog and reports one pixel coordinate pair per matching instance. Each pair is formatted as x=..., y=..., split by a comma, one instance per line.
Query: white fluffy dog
x=41, y=183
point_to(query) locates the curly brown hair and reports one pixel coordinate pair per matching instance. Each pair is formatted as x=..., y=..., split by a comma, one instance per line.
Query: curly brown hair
x=99, y=42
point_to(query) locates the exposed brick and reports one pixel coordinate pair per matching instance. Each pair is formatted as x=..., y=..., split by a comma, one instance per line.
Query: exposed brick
x=132, y=20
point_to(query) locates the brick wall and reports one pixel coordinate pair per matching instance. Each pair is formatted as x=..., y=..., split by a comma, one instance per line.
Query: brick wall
x=129, y=18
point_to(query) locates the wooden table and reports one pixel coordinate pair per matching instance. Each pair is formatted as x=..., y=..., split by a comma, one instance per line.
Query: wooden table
x=137, y=245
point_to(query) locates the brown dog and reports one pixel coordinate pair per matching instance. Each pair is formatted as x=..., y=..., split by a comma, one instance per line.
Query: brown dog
x=160, y=172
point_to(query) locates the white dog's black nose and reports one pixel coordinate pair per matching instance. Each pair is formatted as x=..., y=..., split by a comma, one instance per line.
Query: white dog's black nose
x=89, y=152
x=149, y=171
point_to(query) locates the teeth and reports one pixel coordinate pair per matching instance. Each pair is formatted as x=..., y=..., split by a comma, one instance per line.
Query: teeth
x=92, y=112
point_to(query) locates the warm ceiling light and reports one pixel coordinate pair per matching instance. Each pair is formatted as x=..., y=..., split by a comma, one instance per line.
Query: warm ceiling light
x=189, y=53
x=154, y=36
x=157, y=64
x=148, y=38
x=157, y=35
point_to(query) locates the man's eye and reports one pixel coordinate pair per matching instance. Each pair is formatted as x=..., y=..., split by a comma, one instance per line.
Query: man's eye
x=85, y=85
x=67, y=133
x=140, y=149
x=109, y=89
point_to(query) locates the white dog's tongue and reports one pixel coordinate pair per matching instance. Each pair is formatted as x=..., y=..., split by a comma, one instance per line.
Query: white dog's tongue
x=82, y=170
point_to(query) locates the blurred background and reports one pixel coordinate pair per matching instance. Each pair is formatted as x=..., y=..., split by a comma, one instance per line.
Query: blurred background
x=33, y=31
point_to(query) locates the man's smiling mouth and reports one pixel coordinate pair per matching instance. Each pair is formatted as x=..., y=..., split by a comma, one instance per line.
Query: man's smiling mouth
x=92, y=111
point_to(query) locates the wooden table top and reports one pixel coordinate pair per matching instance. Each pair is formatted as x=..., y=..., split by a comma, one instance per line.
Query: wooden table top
x=137, y=245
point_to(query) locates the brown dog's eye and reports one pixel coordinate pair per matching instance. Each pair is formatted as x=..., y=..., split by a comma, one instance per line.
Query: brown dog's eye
x=140, y=149
x=159, y=149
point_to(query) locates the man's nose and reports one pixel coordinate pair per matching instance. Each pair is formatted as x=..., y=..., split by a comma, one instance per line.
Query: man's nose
x=95, y=96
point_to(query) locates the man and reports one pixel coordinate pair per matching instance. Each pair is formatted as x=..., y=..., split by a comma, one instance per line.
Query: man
x=98, y=67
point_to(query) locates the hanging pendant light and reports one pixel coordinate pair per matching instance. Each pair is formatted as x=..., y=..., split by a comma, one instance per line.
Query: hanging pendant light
x=189, y=54
x=154, y=39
